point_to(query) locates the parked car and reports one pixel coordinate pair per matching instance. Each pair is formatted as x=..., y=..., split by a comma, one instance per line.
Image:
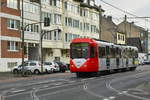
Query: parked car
x=62, y=66
x=56, y=67
x=51, y=65
x=33, y=66
x=146, y=62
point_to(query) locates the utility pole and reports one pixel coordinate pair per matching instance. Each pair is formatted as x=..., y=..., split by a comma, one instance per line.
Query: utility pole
x=125, y=28
x=100, y=22
x=40, y=37
x=147, y=39
x=22, y=28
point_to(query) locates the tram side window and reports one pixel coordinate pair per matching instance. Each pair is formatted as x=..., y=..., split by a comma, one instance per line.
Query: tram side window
x=130, y=53
x=113, y=53
x=107, y=50
x=92, y=52
x=102, y=53
x=118, y=52
x=136, y=54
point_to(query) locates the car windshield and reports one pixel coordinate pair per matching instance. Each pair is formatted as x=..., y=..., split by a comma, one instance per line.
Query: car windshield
x=79, y=50
x=59, y=63
x=47, y=63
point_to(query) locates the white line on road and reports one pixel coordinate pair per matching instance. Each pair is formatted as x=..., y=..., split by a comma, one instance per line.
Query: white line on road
x=105, y=99
x=18, y=91
x=108, y=85
x=112, y=97
x=40, y=90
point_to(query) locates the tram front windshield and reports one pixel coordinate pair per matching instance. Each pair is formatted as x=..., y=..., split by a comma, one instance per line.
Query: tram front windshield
x=79, y=50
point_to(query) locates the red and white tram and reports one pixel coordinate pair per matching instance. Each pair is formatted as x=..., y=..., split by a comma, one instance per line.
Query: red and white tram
x=92, y=56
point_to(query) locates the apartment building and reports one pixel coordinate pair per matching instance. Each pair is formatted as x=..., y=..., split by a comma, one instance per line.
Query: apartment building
x=10, y=43
x=74, y=18
x=135, y=35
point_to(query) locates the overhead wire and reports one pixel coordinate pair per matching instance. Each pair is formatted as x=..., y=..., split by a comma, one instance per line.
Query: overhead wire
x=135, y=16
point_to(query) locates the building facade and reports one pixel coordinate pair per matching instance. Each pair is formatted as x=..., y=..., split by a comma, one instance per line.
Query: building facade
x=108, y=30
x=134, y=34
x=74, y=18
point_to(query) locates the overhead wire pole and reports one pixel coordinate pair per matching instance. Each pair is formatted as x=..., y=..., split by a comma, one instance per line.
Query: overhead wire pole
x=100, y=22
x=40, y=38
x=125, y=28
x=22, y=28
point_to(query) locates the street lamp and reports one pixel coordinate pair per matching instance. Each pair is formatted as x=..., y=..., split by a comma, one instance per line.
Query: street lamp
x=22, y=14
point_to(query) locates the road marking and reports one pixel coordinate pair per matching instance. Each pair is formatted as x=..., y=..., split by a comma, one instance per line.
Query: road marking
x=124, y=92
x=58, y=83
x=112, y=97
x=108, y=85
x=18, y=91
x=105, y=99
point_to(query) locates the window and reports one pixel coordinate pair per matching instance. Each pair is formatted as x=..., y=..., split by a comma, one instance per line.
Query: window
x=30, y=7
x=32, y=64
x=65, y=3
x=45, y=1
x=81, y=26
x=31, y=28
x=76, y=23
x=112, y=53
x=66, y=21
x=118, y=37
x=13, y=46
x=84, y=12
x=57, y=18
x=86, y=26
x=91, y=3
x=11, y=64
x=79, y=50
x=46, y=15
x=123, y=38
x=57, y=3
x=118, y=52
x=102, y=53
x=55, y=35
x=47, y=35
x=12, y=4
x=92, y=52
x=70, y=21
x=13, y=24
x=66, y=37
x=107, y=50
x=93, y=28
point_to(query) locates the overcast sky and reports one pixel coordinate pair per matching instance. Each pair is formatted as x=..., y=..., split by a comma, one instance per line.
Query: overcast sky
x=136, y=7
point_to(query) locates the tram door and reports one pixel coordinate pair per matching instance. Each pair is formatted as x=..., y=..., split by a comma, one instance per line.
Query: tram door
x=108, y=57
x=118, y=57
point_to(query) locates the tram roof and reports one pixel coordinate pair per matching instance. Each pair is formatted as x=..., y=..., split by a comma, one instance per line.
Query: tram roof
x=104, y=43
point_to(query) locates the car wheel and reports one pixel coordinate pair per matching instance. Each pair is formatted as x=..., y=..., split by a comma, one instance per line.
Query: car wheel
x=15, y=71
x=48, y=71
x=36, y=72
x=63, y=71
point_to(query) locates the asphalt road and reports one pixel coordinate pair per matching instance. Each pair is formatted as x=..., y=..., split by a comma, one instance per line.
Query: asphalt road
x=131, y=85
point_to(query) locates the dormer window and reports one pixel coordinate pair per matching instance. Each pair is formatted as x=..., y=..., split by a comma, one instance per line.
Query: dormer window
x=85, y=1
x=91, y=3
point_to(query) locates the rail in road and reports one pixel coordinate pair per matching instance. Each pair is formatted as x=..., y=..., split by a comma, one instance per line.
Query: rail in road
x=118, y=86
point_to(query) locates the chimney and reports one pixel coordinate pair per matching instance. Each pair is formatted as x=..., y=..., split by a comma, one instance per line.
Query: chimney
x=109, y=18
x=132, y=22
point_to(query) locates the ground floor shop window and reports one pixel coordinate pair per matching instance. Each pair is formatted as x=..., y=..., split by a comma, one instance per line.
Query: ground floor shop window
x=11, y=64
